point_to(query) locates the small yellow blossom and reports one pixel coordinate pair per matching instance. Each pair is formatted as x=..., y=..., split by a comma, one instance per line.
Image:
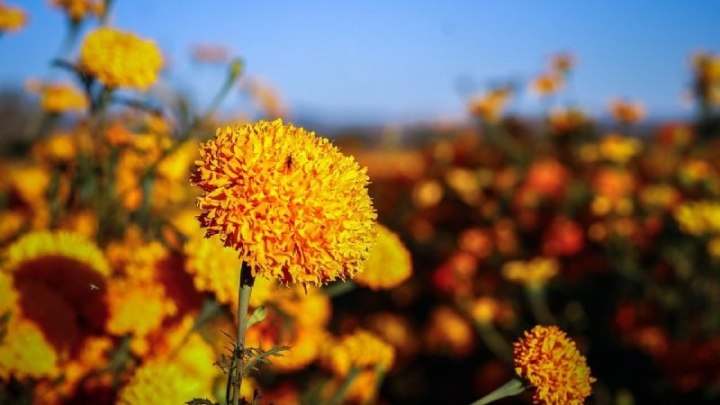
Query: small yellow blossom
x=58, y=98
x=547, y=84
x=11, y=18
x=120, y=59
x=626, y=112
x=25, y=352
x=699, y=217
x=79, y=9
x=389, y=263
x=490, y=106
x=160, y=380
x=532, y=273
x=294, y=207
x=618, y=148
x=551, y=363
x=361, y=350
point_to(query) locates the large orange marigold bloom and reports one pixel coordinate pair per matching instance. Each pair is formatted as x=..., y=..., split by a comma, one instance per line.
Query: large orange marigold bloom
x=389, y=263
x=551, y=363
x=293, y=206
x=120, y=59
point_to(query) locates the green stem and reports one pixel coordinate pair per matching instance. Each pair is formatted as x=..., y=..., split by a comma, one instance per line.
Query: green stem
x=345, y=387
x=236, y=68
x=338, y=288
x=511, y=388
x=247, y=279
x=539, y=306
x=495, y=342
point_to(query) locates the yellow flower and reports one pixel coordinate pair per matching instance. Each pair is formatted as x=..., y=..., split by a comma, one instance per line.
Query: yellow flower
x=136, y=307
x=448, y=332
x=212, y=266
x=551, y=363
x=60, y=97
x=120, y=59
x=389, y=263
x=626, y=112
x=293, y=206
x=11, y=223
x=11, y=18
x=38, y=245
x=532, y=273
x=303, y=342
x=60, y=147
x=564, y=120
x=547, y=84
x=31, y=183
x=484, y=309
x=360, y=350
x=25, y=352
x=79, y=9
x=618, y=148
x=69, y=272
x=490, y=106
x=160, y=381
x=699, y=217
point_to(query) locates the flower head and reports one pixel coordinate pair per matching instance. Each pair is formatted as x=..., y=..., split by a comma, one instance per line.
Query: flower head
x=79, y=9
x=293, y=206
x=551, y=363
x=389, y=263
x=61, y=267
x=59, y=97
x=533, y=273
x=360, y=350
x=11, y=18
x=120, y=59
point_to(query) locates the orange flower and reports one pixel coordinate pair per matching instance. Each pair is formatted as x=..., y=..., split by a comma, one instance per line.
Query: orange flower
x=626, y=112
x=489, y=107
x=562, y=62
x=547, y=84
x=360, y=350
x=531, y=273
x=389, y=263
x=565, y=120
x=11, y=18
x=551, y=363
x=448, y=332
x=60, y=97
x=79, y=9
x=294, y=207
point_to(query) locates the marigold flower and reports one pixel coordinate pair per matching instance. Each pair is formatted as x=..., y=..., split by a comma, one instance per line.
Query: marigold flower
x=25, y=352
x=160, y=380
x=565, y=120
x=547, y=84
x=215, y=268
x=531, y=273
x=618, y=148
x=360, y=350
x=120, y=59
x=699, y=217
x=389, y=263
x=551, y=363
x=61, y=267
x=294, y=207
x=449, y=332
x=60, y=97
x=304, y=343
x=562, y=62
x=79, y=9
x=11, y=18
x=626, y=112
x=489, y=107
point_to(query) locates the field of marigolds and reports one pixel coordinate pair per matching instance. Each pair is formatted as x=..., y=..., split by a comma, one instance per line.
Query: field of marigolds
x=155, y=254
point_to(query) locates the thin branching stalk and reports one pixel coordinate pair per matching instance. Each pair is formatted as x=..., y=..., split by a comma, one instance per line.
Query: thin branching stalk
x=247, y=279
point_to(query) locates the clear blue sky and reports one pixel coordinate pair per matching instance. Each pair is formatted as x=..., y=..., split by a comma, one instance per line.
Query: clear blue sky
x=396, y=60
